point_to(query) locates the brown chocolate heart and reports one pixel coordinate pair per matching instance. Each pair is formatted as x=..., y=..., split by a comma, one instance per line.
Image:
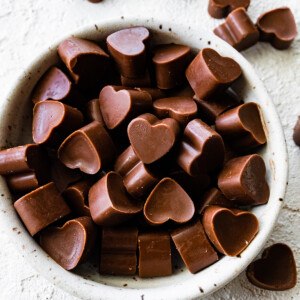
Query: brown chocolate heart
x=70, y=244
x=221, y=8
x=276, y=270
x=168, y=201
x=152, y=138
x=230, y=230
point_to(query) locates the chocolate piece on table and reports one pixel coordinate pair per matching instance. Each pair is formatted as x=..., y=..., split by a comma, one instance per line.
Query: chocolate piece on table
x=181, y=109
x=154, y=93
x=92, y=112
x=128, y=47
x=221, y=8
x=276, y=270
x=170, y=62
x=146, y=134
x=278, y=27
x=296, y=135
x=120, y=104
x=243, y=126
x=41, y=207
x=154, y=254
x=55, y=85
x=99, y=150
x=201, y=150
x=230, y=230
x=109, y=202
x=238, y=30
x=194, y=247
x=53, y=121
x=71, y=244
x=168, y=201
x=118, y=250
x=141, y=81
x=209, y=73
x=243, y=181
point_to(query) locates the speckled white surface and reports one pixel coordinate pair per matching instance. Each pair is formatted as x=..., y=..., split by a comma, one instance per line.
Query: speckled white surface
x=27, y=27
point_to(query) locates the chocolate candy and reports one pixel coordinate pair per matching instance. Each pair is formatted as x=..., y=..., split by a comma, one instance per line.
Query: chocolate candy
x=183, y=91
x=242, y=126
x=168, y=201
x=118, y=250
x=55, y=85
x=142, y=81
x=221, y=8
x=296, y=135
x=230, y=230
x=194, y=247
x=238, y=30
x=41, y=207
x=276, y=270
x=155, y=93
x=243, y=181
x=278, y=27
x=154, y=254
x=128, y=49
x=138, y=179
x=146, y=134
x=209, y=73
x=89, y=149
x=170, y=62
x=109, y=202
x=181, y=109
x=119, y=105
x=93, y=112
x=85, y=60
x=53, y=121
x=201, y=150
x=71, y=244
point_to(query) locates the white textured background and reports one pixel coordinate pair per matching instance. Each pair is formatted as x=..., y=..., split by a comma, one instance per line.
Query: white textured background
x=28, y=26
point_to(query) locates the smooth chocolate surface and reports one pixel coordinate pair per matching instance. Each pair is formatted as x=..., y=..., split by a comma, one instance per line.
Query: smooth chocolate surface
x=118, y=250
x=182, y=91
x=221, y=8
x=154, y=254
x=154, y=93
x=141, y=81
x=296, y=135
x=41, y=207
x=92, y=112
x=209, y=73
x=194, y=247
x=71, y=244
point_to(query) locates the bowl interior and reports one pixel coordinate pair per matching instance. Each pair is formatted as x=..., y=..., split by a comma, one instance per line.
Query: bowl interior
x=85, y=282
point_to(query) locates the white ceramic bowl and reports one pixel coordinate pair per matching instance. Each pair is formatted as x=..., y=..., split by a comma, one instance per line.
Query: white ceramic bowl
x=85, y=282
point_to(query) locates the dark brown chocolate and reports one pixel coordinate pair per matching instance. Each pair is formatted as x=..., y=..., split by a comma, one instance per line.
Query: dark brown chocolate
x=142, y=81
x=93, y=113
x=221, y=8
x=155, y=93
x=296, y=135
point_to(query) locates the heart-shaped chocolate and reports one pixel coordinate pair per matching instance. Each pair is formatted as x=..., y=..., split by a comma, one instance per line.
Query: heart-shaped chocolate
x=230, y=230
x=119, y=104
x=221, y=8
x=70, y=244
x=89, y=149
x=152, y=138
x=296, y=135
x=210, y=73
x=168, y=201
x=182, y=109
x=92, y=112
x=276, y=270
x=278, y=27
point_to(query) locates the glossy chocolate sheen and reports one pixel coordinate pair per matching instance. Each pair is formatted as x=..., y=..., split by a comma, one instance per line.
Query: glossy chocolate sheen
x=221, y=8
x=41, y=207
x=90, y=148
x=201, y=150
x=128, y=47
x=118, y=250
x=194, y=247
x=120, y=104
x=275, y=271
x=168, y=201
x=146, y=134
x=182, y=91
x=85, y=60
x=170, y=62
x=181, y=109
x=53, y=121
x=238, y=30
x=278, y=27
x=92, y=112
x=230, y=230
x=154, y=93
x=71, y=244
x=141, y=81
x=209, y=73
x=296, y=135
x=109, y=202
x=154, y=254
x=243, y=181
x=242, y=126
x=55, y=85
